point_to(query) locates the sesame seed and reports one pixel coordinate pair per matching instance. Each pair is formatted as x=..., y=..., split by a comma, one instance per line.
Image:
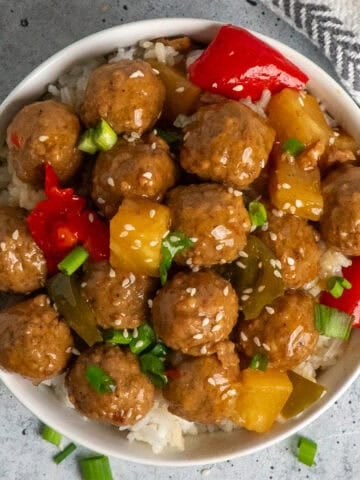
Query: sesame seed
x=138, y=112
x=137, y=74
x=156, y=71
x=266, y=347
x=286, y=206
x=147, y=175
x=152, y=213
x=43, y=138
x=153, y=243
x=211, y=381
x=278, y=264
x=150, y=303
x=216, y=328
x=220, y=246
x=257, y=341
x=273, y=262
x=278, y=213
x=244, y=297
x=91, y=217
x=238, y=88
x=214, y=85
x=273, y=236
x=123, y=234
x=132, y=277
x=100, y=201
x=139, y=344
x=290, y=261
x=3, y=246
x=125, y=333
x=237, y=193
x=15, y=234
x=248, y=290
x=125, y=283
x=301, y=101
x=316, y=211
x=203, y=350
x=299, y=203
x=111, y=182
x=219, y=316
x=118, y=322
x=226, y=291
x=83, y=284
x=205, y=322
x=180, y=89
x=188, y=261
x=261, y=288
x=286, y=186
x=260, y=264
x=240, y=265
x=243, y=337
x=153, y=146
x=148, y=260
x=243, y=254
x=277, y=274
x=112, y=273
x=129, y=227
x=269, y=310
x=135, y=333
x=198, y=336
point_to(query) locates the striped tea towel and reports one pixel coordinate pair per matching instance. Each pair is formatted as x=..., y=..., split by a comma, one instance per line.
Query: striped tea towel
x=334, y=27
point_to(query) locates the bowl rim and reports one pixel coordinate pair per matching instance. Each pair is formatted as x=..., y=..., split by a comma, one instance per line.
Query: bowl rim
x=177, y=26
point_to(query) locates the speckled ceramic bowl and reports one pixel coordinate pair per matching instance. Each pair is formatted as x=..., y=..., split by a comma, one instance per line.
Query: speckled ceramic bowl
x=205, y=448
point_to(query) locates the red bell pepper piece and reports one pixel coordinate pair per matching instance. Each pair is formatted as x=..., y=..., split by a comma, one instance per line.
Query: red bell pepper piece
x=62, y=221
x=349, y=301
x=237, y=64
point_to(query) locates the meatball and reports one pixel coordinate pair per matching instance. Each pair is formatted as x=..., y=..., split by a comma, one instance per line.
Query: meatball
x=22, y=263
x=196, y=393
x=194, y=311
x=133, y=394
x=285, y=332
x=340, y=222
x=294, y=243
x=227, y=142
x=43, y=132
x=216, y=220
x=34, y=342
x=127, y=94
x=132, y=169
x=119, y=299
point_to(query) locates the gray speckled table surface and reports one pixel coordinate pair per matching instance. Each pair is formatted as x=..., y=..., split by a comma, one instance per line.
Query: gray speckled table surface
x=31, y=31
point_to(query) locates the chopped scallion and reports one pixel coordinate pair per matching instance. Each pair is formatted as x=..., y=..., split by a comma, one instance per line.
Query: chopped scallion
x=293, y=146
x=160, y=350
x=336, y=286
x=259, y=362
x=117, y=337
x=51, y=435
x=100, y=380
x=154, y=368
x=144, y=338
x=172, y=244
x=332, y=322
x=73, y=261
x=86, y=143
x=64, y=453
x=96, y=468
x=257, y=213
x=172, y=137
x=104, y=136
x=306, y=451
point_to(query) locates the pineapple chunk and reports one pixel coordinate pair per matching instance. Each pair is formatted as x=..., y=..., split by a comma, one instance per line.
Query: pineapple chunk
x=295, y=189
x=136, y=233
x=258, y=399
x=295, y=114
x=182, y=96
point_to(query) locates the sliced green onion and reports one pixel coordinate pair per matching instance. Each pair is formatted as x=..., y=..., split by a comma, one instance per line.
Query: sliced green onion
x=257, y=213
x=64, y=453
x=306, y=451
x=73, y=261
x=104, y=136
x=170, y=136
x=117, y=337
x=293, y=146
x=86, y=143
x=154, y=368
x=160, y=350
x=95, y=468
x=172, y=244
x=336, y=286
x=100, y=380
x=51, y=435
x=141, y=340
x=332, y=322
x=259, y=362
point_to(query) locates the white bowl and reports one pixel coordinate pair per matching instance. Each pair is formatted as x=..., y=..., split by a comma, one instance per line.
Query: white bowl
x=207, y=448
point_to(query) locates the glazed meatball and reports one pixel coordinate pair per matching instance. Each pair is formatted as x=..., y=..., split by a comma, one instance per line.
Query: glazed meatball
x=295, y=243
x=119, y=299
x=43, y=132
x=285, y=332
x=196, y=392
x=34, y=342
x=132, y=169
x=214, y=218
x=340, y=222
x=227, y=142
x=133, y=394
x=128, y=94
x=22, y=263
x=194, y=311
